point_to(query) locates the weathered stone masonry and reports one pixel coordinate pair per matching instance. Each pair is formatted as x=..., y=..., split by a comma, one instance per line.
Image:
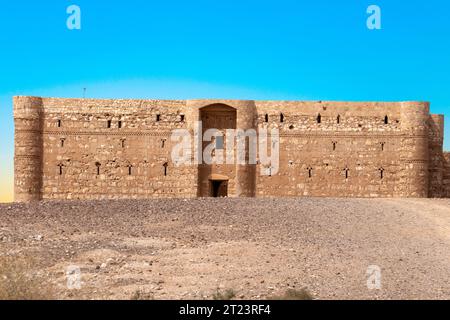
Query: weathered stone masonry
x=111, y=149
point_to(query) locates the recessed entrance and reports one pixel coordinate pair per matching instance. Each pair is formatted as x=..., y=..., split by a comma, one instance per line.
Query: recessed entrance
x=213, y=177
x=219, y=188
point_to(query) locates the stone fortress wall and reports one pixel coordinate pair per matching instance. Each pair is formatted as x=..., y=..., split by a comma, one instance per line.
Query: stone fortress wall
x=112, y=149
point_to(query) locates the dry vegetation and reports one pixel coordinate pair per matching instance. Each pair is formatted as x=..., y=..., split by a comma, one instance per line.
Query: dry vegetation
x=225, y=295
x=292, y=294
x=141, y=294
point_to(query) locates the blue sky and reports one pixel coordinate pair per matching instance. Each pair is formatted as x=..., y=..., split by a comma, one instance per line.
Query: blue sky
x=314, y=50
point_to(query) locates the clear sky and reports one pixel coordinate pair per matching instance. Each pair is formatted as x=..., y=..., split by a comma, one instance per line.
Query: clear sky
x=314, y=50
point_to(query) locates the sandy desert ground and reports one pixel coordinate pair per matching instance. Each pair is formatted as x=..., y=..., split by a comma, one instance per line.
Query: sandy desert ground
x=258, y=248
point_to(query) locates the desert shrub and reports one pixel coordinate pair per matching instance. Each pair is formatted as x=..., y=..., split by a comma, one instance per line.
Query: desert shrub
x=226, y=295
x=19, y=281
x=140, y=294
x=293, y=294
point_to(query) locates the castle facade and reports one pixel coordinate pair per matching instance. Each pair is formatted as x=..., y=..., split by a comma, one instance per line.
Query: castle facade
x=115, y=149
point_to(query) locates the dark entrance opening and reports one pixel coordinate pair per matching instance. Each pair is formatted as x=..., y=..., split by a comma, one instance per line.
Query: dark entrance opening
x=219, y=188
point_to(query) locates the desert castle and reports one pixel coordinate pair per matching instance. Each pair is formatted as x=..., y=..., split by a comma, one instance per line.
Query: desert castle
x=113, y=149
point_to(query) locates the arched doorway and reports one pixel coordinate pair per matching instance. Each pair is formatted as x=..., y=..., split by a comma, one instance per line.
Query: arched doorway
x=215, y=179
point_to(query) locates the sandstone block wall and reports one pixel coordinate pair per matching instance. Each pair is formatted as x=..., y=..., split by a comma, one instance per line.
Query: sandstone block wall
x=446, y=176
x=111, y=149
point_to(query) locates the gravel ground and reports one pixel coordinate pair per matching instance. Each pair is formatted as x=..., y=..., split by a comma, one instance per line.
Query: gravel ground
x=190, y=249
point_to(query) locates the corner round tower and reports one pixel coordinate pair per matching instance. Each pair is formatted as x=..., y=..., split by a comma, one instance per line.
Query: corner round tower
x=414, y=153
x=27, y=149
x=246, y=174
x=436, y=164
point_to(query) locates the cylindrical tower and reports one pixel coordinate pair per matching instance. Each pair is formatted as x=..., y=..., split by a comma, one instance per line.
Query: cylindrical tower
x=414, y=154
x=436, y=165
x=27, y=149
x=246, y=174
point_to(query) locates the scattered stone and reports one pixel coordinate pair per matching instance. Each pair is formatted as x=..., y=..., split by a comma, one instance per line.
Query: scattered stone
x=323, y=233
